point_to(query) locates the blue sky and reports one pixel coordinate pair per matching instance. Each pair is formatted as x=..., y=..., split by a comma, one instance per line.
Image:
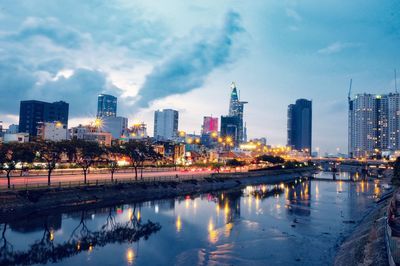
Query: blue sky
x=184, y=55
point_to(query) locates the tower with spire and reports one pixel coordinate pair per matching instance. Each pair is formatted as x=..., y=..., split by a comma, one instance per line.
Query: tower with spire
x=236, y=108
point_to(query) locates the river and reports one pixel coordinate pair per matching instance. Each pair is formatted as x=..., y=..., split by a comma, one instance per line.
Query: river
x=300, y=223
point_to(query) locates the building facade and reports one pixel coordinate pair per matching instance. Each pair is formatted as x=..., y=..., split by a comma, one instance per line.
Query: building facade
x=236, y=108
x=32, y=112
x=299, y=127
x=138, y=131
x=91, y=133
x=53, y=131
x=166, y=124
x=374, y=124
x=106, y=106
x=230, y=127
x=12, y=129
x=210, y=124
x=17, y=137
x=117, y=125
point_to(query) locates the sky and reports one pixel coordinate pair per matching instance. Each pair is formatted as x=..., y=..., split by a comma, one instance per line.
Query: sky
x=185, y=54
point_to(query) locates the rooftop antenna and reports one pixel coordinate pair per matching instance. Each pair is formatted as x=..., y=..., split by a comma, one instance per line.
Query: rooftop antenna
x=349, y=95
x=395, y=80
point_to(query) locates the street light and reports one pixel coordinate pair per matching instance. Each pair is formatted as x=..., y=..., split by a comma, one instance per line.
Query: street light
x=182, y=134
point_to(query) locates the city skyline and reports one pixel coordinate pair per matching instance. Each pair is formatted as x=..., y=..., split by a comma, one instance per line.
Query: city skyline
x=295, y=57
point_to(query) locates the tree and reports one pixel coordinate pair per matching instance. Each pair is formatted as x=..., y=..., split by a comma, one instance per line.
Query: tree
x=270, y=159
x=235, y=162
x=24, y=154
x=113, y=154
x=50, y=152
x=7, y=161
x=132, y=150
x=12, y=154
x=138, y=153
x=147, y=152
x=86, y=153
x=216, y=166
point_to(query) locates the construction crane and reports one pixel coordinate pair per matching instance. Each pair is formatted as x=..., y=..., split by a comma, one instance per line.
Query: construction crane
x=349, y=95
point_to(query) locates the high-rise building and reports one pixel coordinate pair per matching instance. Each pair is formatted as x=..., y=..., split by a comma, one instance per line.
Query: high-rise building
x=106, y=105
x=210, y=124
x=374, y=124
x=230, y=126
x=32, y=112
x=116, y=125
x=236, y=108
x=166, y=124
x=299, y=125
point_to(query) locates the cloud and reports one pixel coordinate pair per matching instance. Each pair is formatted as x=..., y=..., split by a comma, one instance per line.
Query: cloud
x=79, y=88
x=337, y=47
x=291, y=13
x=187, y=69
x=49, y=28
x=16, y=80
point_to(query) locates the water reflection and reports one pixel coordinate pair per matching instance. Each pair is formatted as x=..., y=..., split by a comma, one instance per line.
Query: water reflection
x=283, y=223
x=82, y=237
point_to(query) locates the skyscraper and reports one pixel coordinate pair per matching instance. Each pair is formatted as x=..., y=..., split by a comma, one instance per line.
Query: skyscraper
x=236, y=108
x=300, y=125
x=106, y=105
x=230, y=126
x=166, y=124
x=32, y=112
x=374, y=124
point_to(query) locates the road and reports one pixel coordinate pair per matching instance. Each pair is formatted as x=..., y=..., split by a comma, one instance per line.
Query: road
x=34, y=180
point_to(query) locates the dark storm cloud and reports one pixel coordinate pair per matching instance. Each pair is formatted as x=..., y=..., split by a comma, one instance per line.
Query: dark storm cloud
x=80, y=90
x=188, y=69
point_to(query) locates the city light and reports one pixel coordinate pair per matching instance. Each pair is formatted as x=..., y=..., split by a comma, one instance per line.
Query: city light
x=98, y=122
x=178, y=224
x=130, y=255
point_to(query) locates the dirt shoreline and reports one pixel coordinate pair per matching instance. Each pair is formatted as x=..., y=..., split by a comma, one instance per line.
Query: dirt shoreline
x=18, y=204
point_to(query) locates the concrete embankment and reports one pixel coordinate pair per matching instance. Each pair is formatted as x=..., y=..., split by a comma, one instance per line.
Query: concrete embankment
x=366, y=245
x=16, y=204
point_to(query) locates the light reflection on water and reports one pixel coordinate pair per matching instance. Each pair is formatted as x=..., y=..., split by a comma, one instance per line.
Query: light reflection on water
x=282, y=224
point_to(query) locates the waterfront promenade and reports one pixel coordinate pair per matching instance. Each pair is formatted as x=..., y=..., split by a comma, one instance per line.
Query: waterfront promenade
x=104, y=176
